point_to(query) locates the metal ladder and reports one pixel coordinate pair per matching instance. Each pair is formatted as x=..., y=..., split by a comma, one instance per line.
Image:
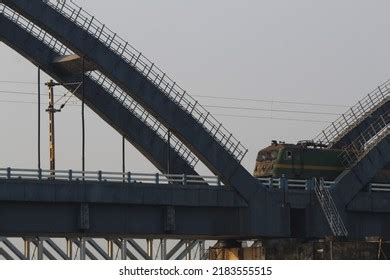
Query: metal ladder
x=355, y=115
x=330, y=210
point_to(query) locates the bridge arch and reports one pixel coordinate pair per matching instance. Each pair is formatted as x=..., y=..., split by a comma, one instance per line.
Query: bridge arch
x=147, y=84
x=102, y=99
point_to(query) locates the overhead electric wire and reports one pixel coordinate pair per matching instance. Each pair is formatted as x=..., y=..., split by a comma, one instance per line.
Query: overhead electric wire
x=33, y=83
x=271, y=101
x=222, y=115
x=206, y=106
x=18, y=92
x=63, y=96
x=70, y=96
x=235, y=98
x=27, y=102
x=19, y=82
x=271, y=118
x=21, y=92
x=270, y=110
x=209, y=106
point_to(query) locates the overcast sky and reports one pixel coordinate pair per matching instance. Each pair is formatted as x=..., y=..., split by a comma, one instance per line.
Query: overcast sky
x=323, y=52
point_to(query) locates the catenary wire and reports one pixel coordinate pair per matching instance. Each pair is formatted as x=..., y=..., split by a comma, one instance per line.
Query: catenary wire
x=206, y=106
x=222, y=115
x=234, y=98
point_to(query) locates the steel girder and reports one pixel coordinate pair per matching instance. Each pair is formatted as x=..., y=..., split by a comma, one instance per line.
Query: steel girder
x=98, y=209
x=56, y=209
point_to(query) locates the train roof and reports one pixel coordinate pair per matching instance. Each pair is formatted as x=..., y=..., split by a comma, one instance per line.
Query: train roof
x=301, y=144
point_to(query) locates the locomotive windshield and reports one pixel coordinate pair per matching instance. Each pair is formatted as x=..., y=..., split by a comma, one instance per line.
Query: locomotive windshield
x=267, y=155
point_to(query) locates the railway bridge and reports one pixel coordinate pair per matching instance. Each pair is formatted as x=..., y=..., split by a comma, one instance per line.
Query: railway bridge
x=160, y=119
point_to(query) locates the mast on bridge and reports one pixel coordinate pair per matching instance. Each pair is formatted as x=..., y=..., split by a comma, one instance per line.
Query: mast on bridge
x=51, y=110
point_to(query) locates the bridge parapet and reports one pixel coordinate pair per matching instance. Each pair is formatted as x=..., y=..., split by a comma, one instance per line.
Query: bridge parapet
x=104, y=176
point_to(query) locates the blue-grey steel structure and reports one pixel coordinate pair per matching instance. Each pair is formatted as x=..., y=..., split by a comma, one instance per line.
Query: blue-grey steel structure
x=241, y=209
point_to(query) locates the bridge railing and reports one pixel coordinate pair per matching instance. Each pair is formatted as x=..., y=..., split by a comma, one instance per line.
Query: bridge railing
x=308, y=184
x=104, y=176
x=34, y=30
x=354, y=115
x=154, y=74
x=130, y=104
x=365, y=141
x=285, y=183
x=157, y=178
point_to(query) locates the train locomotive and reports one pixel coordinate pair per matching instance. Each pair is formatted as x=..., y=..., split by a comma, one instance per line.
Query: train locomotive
x=304, y=160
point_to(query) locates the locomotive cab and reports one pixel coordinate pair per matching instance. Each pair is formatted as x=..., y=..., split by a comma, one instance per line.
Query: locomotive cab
x=268, y=157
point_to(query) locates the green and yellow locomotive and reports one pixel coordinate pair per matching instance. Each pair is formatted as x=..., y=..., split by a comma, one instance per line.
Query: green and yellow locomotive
x=304, y=160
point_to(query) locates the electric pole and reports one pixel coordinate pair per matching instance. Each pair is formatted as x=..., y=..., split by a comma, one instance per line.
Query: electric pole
x=51, y=110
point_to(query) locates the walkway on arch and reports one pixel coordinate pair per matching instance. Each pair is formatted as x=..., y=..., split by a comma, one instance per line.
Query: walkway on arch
x=366, y=112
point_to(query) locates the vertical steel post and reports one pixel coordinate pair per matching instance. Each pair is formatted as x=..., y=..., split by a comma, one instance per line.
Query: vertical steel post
x=83, y=116
x=201, y=249
x=40, y=249
x=123, y=249
x=123, y=159
x=27, y=248
x=331, y=249
x=82, y=248
x=110, y=249
x=51, y=111
x=69, y=248
x=149, y=248
x=39, y=118
x=188, y=250
x=169, y=152
x=163, y=249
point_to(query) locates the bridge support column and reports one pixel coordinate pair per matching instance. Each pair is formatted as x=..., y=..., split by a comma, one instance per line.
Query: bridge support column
x=149, y=248
x=163, y=249
x=188, y=250
x=110, y=249
x=82, y=248
x=27, y=248
x=201, y=249
x=123, y=248
x=40, y=248
x=69, y=248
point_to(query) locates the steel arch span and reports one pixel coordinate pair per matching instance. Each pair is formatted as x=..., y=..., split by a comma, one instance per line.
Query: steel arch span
x=106, y=101
x=128, y=91
x=147, y=84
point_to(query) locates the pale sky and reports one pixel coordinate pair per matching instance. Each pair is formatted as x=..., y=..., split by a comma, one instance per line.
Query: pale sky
x=326, y=52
